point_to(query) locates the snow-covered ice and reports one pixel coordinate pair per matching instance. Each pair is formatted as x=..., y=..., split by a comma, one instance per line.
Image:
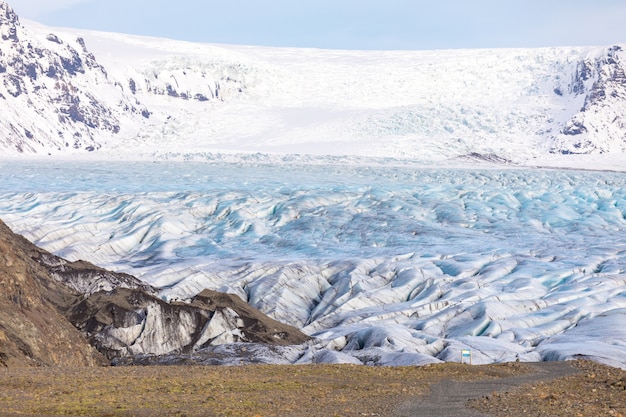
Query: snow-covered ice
x=390, y=263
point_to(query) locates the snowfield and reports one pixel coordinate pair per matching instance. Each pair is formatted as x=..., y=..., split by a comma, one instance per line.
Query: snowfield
x=383, y=264
x=130, y=97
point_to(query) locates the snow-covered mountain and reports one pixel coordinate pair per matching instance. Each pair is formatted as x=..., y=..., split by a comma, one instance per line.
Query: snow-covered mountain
x=55, y=95
x=67, y=90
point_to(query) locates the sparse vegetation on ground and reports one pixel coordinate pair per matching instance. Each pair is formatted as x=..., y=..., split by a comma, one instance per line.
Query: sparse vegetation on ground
x=308, y=390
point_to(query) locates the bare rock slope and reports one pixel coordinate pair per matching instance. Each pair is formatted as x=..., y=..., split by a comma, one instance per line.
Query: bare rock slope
x=33, y=332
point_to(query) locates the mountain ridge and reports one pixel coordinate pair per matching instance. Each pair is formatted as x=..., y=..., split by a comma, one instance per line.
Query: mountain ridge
x=123, y=96
x=58, y=96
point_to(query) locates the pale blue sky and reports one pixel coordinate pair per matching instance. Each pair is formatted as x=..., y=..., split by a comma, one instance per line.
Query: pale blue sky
x=348, y=24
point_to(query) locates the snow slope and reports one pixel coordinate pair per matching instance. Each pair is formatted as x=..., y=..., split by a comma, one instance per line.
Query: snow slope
x=427, y=105
x=186, y=100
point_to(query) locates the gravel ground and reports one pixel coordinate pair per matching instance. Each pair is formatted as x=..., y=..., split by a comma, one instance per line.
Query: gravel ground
x=596, y=391
x=450, y=398
x=588, y=389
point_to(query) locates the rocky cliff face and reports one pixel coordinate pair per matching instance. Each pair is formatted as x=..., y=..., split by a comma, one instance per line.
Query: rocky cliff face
x=33, y=332
x=56, y=96
x=46, y=299
x=600, y=125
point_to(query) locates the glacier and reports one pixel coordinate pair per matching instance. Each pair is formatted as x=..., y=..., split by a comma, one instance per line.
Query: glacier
x=389, y=263
x=397, y=206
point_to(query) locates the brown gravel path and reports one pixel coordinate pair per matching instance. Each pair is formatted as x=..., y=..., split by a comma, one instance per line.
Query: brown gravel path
x=449, y=398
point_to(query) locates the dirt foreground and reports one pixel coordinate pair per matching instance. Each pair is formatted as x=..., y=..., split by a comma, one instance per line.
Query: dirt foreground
x=315, y=390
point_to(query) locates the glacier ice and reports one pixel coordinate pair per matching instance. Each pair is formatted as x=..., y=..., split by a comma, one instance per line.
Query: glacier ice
x=385, y=264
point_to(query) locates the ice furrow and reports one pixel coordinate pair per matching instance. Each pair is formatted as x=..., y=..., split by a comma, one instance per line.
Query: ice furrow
x=512, y=259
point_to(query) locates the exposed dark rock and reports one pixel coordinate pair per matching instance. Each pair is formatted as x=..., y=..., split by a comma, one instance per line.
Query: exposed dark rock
x=81, y=42
x=13, y=85
x=171, y=92
x=8, y=23
x=132, y=85
x=51, y=72
x=72, y=65
x=484, y=157
x=574, y=128
x=32, y=330
x=54, y=38
x=31, y=70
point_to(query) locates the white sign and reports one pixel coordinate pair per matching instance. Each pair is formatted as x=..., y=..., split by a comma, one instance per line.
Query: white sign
x=466, y=353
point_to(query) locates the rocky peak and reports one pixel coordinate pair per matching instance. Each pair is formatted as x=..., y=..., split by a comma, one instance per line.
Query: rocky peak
x=9, y=23
x=599, y=124
x=47, y=84
x=610, y=79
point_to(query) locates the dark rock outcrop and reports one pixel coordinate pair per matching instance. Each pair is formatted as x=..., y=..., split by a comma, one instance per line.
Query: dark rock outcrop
x=126, y=322
x=33, y=332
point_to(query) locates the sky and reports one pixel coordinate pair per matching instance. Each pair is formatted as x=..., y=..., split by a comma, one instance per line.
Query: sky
x=347, y=24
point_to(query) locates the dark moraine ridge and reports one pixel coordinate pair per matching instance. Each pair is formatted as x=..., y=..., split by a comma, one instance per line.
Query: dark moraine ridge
x=54, y=312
